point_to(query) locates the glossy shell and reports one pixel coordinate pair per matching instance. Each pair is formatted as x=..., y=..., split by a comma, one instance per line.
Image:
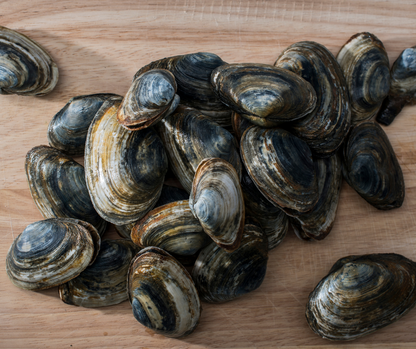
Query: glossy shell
x=266, y=95
x=325, y=128
x=104, y=282
x=162, y=294
x=403, y=86
x=371, y=168
x=68, y=129
x=216, y=200
x=151, y=96
x=239, y=125
x=189, y=137
x=25, y=67
x=362, y=294
x=57, y=185
x=49, y=253
x=124, y=170
x=281, y=167
x=221, y=276
x=171, y=227
x=364, y=62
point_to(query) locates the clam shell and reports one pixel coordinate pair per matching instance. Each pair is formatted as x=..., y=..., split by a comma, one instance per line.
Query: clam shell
x=365, y=64
x=325, y=128
x=222, y=276
x=162, y=294
x=124, y=170
x=239, y=125
x=49, y=253
x=371, y=168
x=104, y=282
x=266, y=95
x=26, y=68
x=57, y=185
x=362, y=294
x=216, y=200
x=68, y=129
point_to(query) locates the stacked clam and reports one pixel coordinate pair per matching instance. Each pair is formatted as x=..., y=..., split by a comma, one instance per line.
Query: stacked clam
x=298, y=127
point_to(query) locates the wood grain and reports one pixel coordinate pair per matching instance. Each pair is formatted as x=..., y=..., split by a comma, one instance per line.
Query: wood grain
x=98, y=46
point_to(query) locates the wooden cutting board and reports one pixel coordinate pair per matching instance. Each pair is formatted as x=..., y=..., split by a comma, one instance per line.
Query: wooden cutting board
x=98, y=48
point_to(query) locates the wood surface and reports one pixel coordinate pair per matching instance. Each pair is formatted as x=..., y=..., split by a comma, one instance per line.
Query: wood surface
x=98, y=46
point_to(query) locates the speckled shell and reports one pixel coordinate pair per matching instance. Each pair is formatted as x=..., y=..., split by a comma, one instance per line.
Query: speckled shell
x=124, y=170
x=371, y=168
x=325, y=128
x=272, y=219
x=26, y=68
x=151, y=96
x=365, y=64
x=317, y=223
x=189, y=137
x=281, y=167
x=192, y=74
x=403, y=86
x=216, y=200
x=221, y=276
x=68, y=129
x=162, y=294
x=266, y=95
x=104, y=282
x=362, y=294
x=171, y=227
x=49, y=253
x=57, y=185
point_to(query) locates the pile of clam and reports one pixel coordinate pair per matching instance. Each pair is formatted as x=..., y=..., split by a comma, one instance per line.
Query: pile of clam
x=253, y=147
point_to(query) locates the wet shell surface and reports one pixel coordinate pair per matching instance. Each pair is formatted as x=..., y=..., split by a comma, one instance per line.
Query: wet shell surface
x=162, y=294
x=371, y=168
x=365, y=64
x=68, y=129
x=171, y=227
x=190, y=137
x=124, y=170
x=325, y=128
x=403, y=86
x=216, y=200
x=151, y=96
x=104, y=282
x=57, y=185
x=25, y=67
x=266, y=95
x=281, y=167
x=362, y=294
x=49, y=253
x=222, y=276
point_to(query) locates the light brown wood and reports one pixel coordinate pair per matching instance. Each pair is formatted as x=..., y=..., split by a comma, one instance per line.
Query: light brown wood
x=98, y=46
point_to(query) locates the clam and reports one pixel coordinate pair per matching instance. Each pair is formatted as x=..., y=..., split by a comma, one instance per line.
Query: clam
x=189, y=137
x=325, y=128
x=25, y=67
x=162, y=294
x=151, y=97
x=171, y=227
x=104, y=282
x=266, y=95
x=403, y=86
x=49, y=253
x=124, y=170
x=57, y=185
x=362, y=294
x=192, y=73
x=371, y=168
x=216, y=200
x=281, y=167
x=239, y=125
x=124, y=230
x=222, y=276
x=365, y=64
x=68, y=129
